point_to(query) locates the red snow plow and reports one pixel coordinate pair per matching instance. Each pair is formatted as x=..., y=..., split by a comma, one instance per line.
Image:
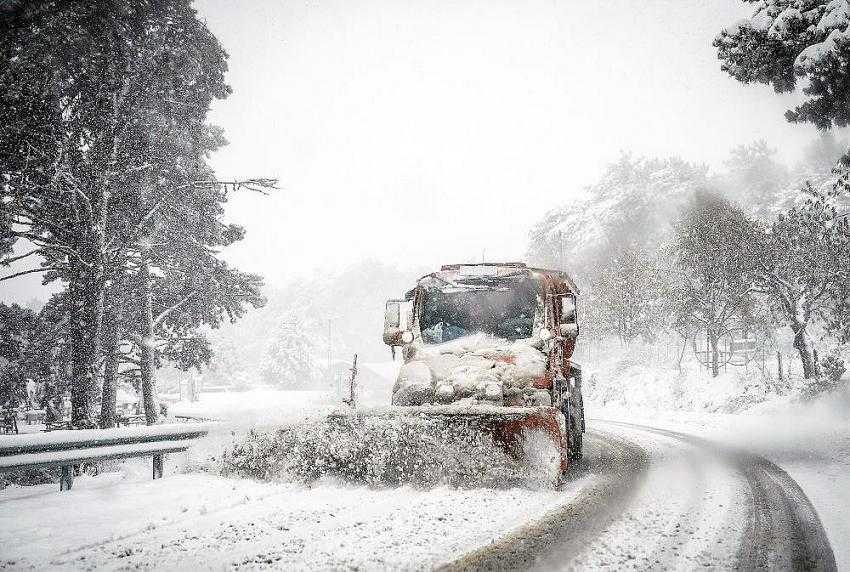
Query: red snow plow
x=487, y=351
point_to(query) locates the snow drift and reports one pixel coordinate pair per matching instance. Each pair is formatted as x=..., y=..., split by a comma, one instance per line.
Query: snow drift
x=389, y=450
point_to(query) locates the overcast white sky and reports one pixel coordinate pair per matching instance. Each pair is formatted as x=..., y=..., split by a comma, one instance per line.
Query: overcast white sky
x=422, y=131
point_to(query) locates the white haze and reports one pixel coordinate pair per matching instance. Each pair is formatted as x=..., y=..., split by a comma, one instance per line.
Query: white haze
x=419, y=133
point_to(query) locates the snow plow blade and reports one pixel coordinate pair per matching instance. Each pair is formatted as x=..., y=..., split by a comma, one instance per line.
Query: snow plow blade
x=516, y=431
x=476, y=445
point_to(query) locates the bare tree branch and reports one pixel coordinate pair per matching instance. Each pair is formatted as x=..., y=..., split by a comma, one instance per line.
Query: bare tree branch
x=32, y=271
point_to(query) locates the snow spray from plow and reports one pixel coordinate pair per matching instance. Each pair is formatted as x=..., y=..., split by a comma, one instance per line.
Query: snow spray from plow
x=416, y=446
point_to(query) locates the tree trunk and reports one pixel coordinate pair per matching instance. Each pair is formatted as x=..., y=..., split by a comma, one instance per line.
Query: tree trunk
x=815, y=362
x=803, y=344
x=86, y=315
x=146, y=361
x=112, y=316
x=715, y=357
x=85, y=288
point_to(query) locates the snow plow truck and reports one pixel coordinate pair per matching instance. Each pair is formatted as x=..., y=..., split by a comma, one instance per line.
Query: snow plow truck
x=489, y=347
x=487, y=394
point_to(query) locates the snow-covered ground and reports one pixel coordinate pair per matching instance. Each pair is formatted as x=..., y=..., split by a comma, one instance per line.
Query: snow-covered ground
x=808, y=439
x=204, y=520
x=256, y=406
x=197, y=520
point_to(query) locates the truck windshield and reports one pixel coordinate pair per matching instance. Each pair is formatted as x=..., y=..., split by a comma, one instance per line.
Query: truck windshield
x=503, y=308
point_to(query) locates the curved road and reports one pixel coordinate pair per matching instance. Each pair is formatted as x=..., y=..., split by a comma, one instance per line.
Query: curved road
x=663, y=499
x=644, y=498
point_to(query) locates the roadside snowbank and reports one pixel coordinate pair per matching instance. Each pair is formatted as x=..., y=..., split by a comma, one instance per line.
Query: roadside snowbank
x=648, y=378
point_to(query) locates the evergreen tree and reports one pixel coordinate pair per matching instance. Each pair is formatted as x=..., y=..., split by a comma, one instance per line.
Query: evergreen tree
x=103, y=170
x=289, y=357
x=18, y=327
x=790, y=40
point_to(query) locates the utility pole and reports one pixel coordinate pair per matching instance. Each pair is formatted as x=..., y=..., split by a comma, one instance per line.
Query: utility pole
x=351, y=400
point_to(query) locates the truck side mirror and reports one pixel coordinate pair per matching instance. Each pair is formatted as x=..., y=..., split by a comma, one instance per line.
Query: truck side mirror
x=396, y=323
x=568, y=325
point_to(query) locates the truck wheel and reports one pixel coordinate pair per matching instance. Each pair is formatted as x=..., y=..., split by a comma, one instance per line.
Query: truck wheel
x=574, y=440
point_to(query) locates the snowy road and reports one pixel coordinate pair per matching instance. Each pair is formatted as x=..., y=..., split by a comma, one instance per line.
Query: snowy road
x=643, y=497
x=668, y=500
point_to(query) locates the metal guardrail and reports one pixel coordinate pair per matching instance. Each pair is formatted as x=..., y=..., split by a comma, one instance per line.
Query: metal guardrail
x=67, y=449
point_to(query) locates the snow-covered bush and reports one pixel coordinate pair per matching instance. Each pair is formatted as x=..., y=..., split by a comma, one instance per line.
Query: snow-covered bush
x=832, y=370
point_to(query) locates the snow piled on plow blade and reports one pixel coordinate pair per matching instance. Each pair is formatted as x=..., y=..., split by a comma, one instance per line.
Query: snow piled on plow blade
x=417, y=446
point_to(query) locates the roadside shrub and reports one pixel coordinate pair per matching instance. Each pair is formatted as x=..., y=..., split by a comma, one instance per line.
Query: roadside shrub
x=832, y=370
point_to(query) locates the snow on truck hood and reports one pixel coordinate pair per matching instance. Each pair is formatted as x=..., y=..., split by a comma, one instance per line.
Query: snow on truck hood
x=473, y=369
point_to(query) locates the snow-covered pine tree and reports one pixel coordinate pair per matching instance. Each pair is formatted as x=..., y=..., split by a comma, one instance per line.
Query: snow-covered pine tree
x=288, y=361
x=94, y=154
x=789, y=40
x=66, y=103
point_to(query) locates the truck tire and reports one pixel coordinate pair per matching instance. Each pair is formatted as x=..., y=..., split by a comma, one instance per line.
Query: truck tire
x=574, y=440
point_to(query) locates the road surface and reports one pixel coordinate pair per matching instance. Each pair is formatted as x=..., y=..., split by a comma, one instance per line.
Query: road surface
x=668, y=500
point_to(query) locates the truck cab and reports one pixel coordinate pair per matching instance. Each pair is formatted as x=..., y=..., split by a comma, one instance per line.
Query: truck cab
x=500, y=334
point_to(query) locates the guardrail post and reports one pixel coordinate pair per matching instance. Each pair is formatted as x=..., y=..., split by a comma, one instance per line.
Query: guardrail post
x=66, y=481
x=157, y=466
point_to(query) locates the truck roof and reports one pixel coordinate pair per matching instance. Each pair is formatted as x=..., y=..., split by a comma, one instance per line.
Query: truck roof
x=457, y=271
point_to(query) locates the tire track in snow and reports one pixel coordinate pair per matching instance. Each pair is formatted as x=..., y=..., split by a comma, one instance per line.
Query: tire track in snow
x=672, y=522
x=783, y=530
x=569, y=528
